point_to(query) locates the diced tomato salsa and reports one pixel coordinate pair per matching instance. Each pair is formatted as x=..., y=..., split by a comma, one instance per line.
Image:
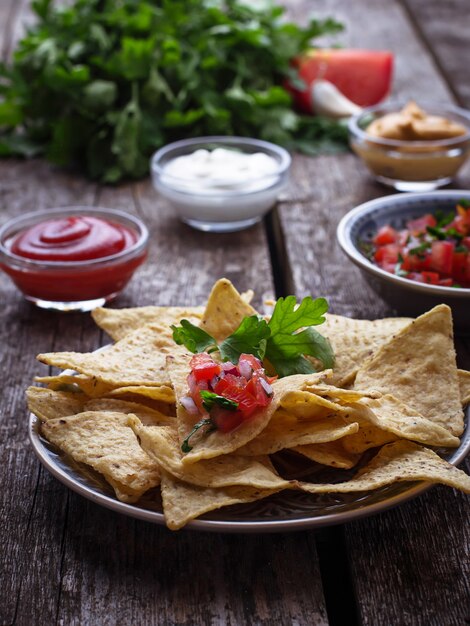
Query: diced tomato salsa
x=433, y=249
x=235, y=392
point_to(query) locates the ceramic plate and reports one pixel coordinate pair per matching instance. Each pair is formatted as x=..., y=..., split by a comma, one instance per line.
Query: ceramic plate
x=286, y=511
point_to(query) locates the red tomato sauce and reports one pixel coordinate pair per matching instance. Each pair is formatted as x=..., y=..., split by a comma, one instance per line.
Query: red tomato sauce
x=433, y=249
x=68, y=243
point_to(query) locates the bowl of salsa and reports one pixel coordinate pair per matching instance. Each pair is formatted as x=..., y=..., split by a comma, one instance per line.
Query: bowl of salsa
x=72, y=258
x=413, y=249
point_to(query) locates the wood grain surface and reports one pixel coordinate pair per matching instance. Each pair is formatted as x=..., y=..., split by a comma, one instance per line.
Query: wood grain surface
x=64, y=560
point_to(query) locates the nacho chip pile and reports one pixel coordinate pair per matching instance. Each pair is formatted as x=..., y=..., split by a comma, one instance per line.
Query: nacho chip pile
x=394, y=394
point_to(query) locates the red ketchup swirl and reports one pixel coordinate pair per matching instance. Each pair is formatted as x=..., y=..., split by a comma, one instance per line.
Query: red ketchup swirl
x=74, y=238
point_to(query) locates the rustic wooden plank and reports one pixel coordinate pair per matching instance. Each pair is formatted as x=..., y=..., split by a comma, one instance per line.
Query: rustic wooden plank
x=445, y=28
x=401, y=559
x=33, y=505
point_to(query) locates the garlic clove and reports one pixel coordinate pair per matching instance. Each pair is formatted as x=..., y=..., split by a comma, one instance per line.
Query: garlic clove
x=328, y=100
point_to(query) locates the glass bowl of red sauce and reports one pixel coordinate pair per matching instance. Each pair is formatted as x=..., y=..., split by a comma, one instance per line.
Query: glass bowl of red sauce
x=72, y=258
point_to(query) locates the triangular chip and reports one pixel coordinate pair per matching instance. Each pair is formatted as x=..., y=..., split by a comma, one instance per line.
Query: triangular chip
x=162, y=393
x=331, y=453
x=90, y=385
x=396, y=462
x=148, y=416
x=163, y=446
x=464, y=387
x=394, y=416
x=49, y=404
x=418, y=367
x=138, y=359
x=225, y=310
x=104, y=441
x=354, y=341
x=120, y=322
x=209, y=445
x=183, y=502
x=286, y=431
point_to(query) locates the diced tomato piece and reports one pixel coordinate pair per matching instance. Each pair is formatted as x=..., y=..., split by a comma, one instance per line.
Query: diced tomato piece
x=387, y=254
x=363, y=76
x=195, y=387
x=459, y=266
x=446, y=282
x=403, y=237
x=226, y=420
x=466, y=242
x=419, y=225
x=204, y=367
x=255, y=387
x=416, y=262
x=432, y=278
x=254, y=363
x=442, y=253
x=385, y=235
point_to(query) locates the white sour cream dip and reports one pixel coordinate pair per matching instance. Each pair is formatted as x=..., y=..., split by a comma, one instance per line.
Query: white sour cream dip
x=221, y=170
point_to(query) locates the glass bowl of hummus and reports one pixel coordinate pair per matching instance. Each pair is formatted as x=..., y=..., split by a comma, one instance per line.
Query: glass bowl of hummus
x=412, y=147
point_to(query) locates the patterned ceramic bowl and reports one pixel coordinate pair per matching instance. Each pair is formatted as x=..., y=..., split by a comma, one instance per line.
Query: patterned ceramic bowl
x=405, y=296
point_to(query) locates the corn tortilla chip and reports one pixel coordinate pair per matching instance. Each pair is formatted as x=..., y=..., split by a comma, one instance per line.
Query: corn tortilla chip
x=162, y=393
x=104, y=441
x=91, y=386
x=307, y=405
x=148, y=416
x=183, y=502
x=225, y=310
x=394, y=416
x=138, y=359
x=396, y=462
x=163, y=446
x=285, y=431
x=48, y=404
x=464, y=387
x=120, y=322
x=418, y=367
x=331, y=453
x=354, y=341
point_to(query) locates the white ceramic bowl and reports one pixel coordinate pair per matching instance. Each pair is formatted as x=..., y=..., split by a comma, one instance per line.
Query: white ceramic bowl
x=221, y=209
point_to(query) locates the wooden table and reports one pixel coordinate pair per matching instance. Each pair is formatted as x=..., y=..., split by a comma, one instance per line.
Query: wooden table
x=64, y=560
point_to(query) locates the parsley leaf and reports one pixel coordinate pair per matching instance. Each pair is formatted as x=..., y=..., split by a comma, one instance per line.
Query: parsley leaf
x=286, y=347
x=249, y=338
x=284, y=341
x=193, y=338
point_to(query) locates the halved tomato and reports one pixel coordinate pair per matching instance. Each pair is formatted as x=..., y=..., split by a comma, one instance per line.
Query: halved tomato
x=363, y=76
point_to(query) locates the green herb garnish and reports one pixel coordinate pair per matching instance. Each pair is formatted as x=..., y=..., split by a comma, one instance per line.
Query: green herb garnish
x=284, y=341
x=99, y=85
x=420, y=250
x=209, y=398
x=206, y=421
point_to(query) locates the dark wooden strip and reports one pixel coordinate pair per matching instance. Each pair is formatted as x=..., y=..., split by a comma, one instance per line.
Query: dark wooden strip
x=445, y=27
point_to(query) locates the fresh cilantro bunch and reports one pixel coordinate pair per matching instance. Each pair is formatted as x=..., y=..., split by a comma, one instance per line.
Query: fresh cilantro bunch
x=284, y=341
x=99, y=85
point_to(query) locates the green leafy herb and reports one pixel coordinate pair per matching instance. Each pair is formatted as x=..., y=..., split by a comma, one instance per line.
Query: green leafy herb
x=420, y=250
x=444, y=219
x=284, y=341
x=205, y=421
x=464, y=203
x=286, y=347
x=249, y=338
x=209, y=398
x=193, y=338
x=100, y=85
